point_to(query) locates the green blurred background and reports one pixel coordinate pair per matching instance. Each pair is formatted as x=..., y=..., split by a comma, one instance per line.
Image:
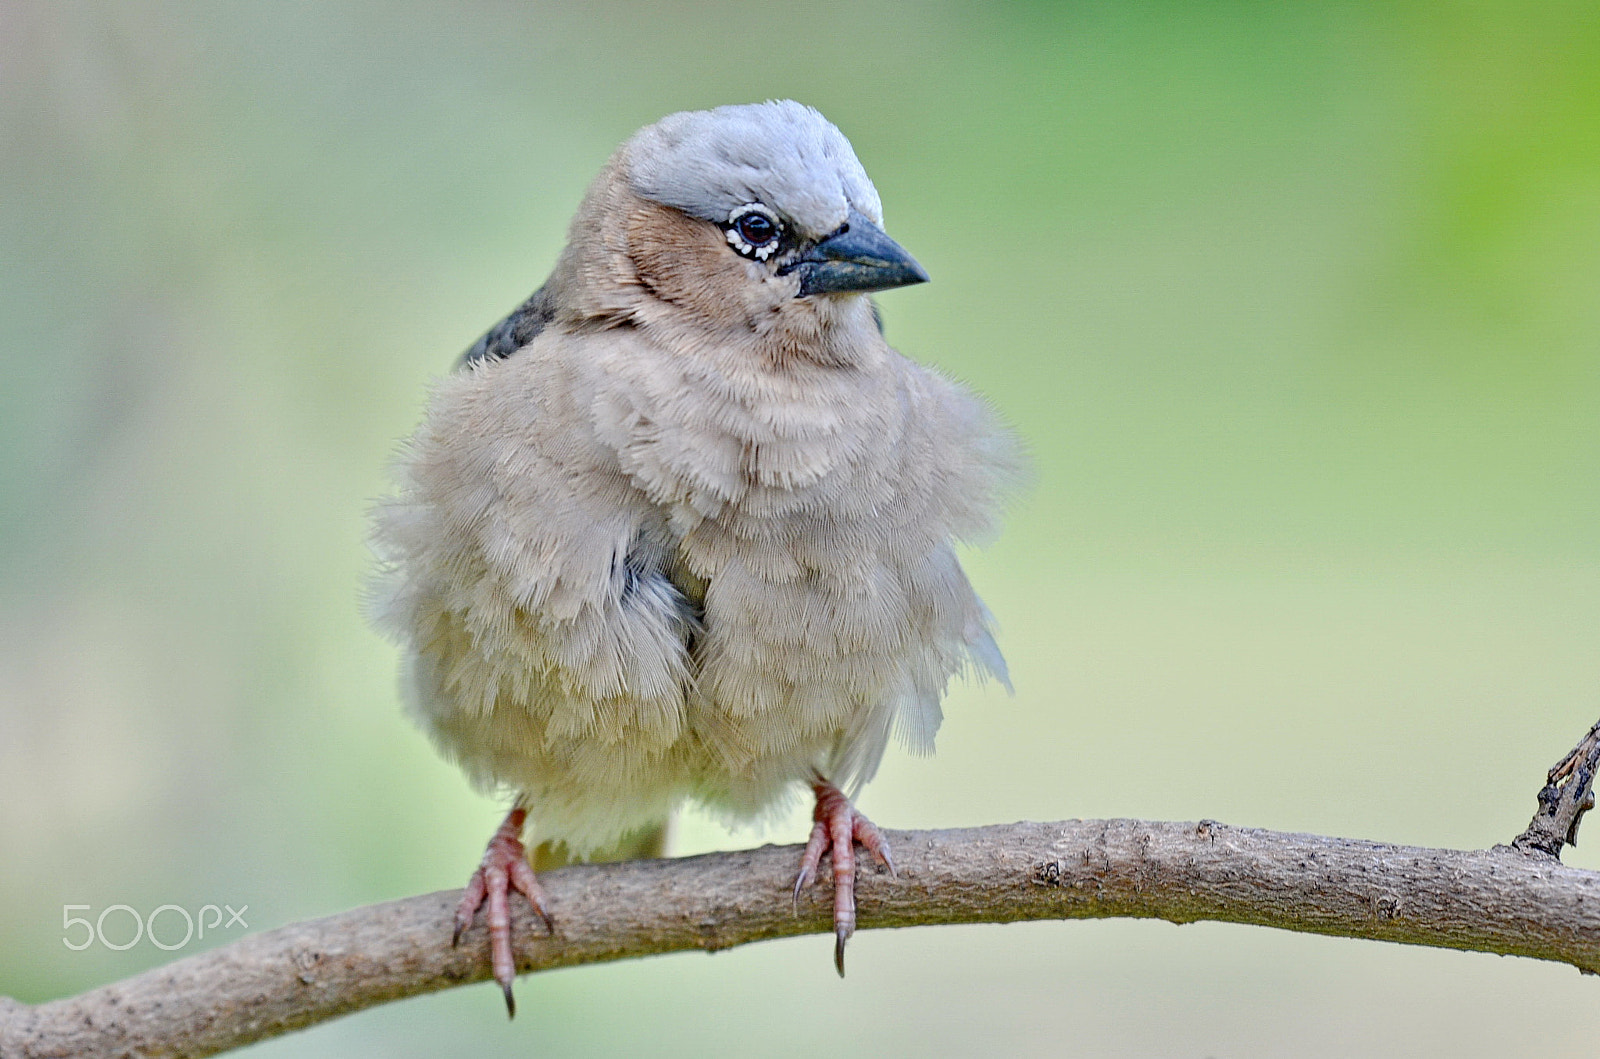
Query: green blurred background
x=1298, y=306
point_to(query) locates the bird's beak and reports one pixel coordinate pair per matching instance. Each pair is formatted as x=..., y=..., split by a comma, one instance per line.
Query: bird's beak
x=856, y=258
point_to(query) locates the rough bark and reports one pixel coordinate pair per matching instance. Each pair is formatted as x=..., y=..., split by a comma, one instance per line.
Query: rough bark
x=1516, y=900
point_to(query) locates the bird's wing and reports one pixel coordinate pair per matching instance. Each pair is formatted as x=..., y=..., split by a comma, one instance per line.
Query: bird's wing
x=521, y=564
x=518, y=329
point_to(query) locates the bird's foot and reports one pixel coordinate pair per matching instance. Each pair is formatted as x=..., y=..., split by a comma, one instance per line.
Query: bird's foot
x=504, y=868
x=839, y=826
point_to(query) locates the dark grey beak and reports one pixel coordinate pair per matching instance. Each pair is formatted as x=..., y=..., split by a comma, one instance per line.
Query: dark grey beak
x=856, y=258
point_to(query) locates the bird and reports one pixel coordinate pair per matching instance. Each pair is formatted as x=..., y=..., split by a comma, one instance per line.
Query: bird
x=682, y=528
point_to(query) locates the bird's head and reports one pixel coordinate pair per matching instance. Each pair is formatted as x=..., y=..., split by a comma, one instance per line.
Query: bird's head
x=754, y=217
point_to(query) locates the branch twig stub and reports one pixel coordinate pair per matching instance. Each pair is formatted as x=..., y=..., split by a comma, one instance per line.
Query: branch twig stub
x=1568, y=793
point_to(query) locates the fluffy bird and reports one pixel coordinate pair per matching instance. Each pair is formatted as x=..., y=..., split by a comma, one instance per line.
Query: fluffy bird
x=681, y=527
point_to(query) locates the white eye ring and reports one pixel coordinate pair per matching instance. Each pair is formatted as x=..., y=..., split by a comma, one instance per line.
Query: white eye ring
x=736, y=239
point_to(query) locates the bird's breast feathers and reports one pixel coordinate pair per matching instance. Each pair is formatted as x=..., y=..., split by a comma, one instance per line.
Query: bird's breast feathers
x=711, y=562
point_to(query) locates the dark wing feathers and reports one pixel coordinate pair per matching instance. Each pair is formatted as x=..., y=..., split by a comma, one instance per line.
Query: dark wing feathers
x=514, y=332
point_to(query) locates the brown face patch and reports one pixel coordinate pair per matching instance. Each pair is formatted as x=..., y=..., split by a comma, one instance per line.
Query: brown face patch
x=688, y=262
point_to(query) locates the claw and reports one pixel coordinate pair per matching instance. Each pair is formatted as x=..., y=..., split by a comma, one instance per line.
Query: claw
x=504, y=869
x=816, y=845
x=470, y=900
x=838, y=827
x=527, y=884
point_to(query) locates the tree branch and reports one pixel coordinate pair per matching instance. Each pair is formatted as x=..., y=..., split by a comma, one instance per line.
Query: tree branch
x=1515, y=900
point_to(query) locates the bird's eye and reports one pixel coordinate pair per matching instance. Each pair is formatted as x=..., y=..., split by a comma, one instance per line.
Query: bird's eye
x=757, y=229
x=753, y=231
